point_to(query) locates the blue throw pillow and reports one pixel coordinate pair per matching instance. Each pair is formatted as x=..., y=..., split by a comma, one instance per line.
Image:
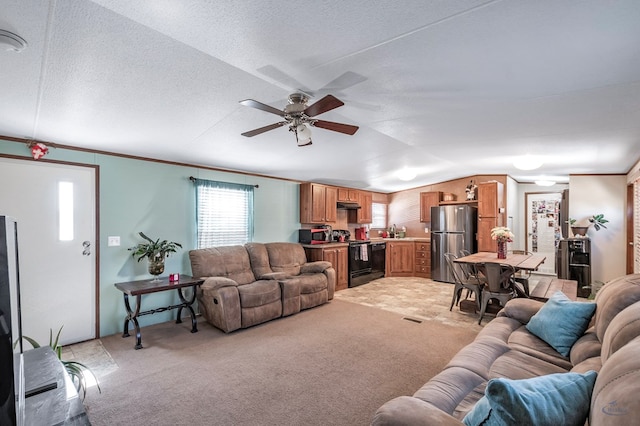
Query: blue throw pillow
x=560, y=322
x=554, y=399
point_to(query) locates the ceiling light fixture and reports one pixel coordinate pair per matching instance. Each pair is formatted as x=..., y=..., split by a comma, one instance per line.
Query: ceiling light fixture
x=527, y=162
x=13, y=41
x=303, y=135
x=406, y=174
x=544, y=182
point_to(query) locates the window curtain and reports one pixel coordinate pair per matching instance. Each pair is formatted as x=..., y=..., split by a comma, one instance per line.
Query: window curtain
x=224, y=213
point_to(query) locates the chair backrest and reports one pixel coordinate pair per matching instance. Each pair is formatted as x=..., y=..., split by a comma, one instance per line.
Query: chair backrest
x=453, y=267
x=498, y=276
x=520, y=252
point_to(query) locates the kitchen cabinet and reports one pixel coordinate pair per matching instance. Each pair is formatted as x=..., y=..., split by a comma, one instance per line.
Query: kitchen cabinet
x=339, y=258
x=423, y=259
x=318, y=203
x=428, y=200
x=490, y=213
x=347, y=194
x=400, y=259
x=364, y=214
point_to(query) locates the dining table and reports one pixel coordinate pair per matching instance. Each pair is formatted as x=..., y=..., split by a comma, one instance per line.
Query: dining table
x=526, y=262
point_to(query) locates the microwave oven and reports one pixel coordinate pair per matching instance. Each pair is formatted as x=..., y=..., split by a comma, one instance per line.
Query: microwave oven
x=314, y=236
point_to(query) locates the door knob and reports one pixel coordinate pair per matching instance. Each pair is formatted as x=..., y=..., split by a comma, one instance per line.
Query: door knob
x=87, y=248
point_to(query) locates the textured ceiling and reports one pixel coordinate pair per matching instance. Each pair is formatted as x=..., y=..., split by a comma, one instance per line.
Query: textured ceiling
x=447, y=88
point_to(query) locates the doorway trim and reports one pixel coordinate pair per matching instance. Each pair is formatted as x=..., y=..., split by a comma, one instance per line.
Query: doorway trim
x=96, y=219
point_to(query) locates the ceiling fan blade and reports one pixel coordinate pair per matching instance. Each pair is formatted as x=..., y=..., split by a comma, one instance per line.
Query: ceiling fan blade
x=255, y=132
x=264, y=107
x=336, y=127
x=325, y=104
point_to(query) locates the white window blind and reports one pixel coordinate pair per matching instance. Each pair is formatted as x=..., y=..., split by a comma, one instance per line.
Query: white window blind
x=224, y=213
x=379, y=216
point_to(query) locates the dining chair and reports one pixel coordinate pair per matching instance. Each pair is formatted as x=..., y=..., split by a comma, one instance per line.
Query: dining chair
x=471, y=284
x=469, y=269
x=500, y=285
x=522, y=276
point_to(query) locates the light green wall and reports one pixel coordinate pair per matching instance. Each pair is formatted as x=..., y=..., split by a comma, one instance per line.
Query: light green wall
x=159, y=199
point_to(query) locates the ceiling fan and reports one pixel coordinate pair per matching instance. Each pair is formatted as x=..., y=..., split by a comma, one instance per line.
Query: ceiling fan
x=298, y=115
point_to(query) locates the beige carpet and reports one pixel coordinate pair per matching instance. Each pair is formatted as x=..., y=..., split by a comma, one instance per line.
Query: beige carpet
x=330, y=365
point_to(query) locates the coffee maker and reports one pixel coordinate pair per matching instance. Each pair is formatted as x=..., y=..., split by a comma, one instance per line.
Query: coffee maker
x=362, y=233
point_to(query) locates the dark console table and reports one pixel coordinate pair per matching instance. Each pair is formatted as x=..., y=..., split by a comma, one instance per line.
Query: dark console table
x=52, y=398
x=138, y=288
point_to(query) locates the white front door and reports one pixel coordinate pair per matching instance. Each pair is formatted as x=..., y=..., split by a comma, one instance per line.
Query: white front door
x=54, y=206
x=543, y=227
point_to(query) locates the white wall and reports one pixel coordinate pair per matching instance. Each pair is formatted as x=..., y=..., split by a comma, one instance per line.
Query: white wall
x=606, y=194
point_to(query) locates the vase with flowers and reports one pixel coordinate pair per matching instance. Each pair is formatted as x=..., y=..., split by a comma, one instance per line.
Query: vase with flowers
x=502, y=235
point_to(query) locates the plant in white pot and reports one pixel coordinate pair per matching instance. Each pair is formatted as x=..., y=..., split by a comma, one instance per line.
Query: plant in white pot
x=156, y=252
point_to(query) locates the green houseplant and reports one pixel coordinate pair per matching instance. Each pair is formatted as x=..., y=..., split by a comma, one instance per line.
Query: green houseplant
x=155, y=251
x=80, y=374
x=597, y=220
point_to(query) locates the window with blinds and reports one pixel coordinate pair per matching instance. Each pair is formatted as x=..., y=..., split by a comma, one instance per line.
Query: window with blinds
x=379, y=216
x=224, y=213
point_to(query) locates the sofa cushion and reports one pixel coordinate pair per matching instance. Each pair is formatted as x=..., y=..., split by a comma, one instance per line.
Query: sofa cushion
x=552, y=399
x=259, y=293
x=561, y=322
x=286, y=257
x=230, y=262
x=614, y=296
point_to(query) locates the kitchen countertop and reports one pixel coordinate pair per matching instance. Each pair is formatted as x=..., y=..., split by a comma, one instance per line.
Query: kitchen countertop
x=320, y=246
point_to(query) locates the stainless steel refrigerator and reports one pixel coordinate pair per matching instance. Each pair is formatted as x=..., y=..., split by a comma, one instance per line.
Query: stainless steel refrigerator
x=453, y=228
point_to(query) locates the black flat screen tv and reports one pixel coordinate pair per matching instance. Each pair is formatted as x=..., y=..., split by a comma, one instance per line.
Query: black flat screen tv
x=12, y=391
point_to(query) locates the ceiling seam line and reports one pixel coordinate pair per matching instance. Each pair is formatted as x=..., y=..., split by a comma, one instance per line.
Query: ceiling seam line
x=408, y=33
x=43, y=66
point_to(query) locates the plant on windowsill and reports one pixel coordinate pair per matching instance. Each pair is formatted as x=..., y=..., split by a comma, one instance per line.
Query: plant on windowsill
x=156, y=252
x=80, y=374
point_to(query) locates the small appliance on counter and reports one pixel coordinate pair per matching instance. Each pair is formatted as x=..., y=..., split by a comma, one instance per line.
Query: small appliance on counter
x=362, y=234
x=320, y=235
x=341, y=235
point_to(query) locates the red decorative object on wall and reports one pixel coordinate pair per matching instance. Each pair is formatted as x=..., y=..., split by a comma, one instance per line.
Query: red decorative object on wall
x=38, y=150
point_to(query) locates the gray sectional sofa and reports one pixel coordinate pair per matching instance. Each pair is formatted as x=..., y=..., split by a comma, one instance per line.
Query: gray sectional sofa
x=251, y=284
x=506, y=349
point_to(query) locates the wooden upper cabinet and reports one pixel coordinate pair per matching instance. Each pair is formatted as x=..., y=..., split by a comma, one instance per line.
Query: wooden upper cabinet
x=347, y=194
x=428, y=200
x=490, y=213
x=364, y=214
x=318, y=203
x=490, y=199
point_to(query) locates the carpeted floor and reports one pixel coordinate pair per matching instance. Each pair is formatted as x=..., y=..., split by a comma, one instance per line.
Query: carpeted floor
x=334, y=364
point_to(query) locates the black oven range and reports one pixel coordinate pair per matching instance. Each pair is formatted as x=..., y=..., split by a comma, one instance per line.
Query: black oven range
x=366, y=261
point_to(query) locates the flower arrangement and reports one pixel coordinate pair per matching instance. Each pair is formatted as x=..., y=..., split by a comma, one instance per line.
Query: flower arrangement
x=502, y=234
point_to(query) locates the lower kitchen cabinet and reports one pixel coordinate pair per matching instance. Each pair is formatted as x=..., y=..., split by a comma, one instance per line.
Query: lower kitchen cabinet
x=423, y=259
x=400, y=258
x=339, y=258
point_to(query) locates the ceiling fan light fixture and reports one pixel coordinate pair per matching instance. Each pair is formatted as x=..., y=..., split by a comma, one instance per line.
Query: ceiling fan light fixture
x=528, y=162
x=303, y=135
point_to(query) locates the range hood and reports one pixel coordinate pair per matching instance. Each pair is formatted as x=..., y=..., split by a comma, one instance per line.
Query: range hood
x=347, y=205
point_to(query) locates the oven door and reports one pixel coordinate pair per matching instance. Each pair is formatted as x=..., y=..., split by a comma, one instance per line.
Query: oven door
x=360, y=261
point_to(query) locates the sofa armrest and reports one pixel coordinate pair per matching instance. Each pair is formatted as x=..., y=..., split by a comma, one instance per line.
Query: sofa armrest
x=273, y=276
x=407, y=410
x=213, y=283
x=521, y=309
x=315, y=267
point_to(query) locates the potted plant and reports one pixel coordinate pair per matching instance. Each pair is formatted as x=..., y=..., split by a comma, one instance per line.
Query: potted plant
x=597, y=220
x=79, y=373
x=156, y=252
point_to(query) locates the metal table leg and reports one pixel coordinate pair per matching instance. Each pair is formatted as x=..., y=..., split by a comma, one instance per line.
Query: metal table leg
x=187, y=304
x=133, y=317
